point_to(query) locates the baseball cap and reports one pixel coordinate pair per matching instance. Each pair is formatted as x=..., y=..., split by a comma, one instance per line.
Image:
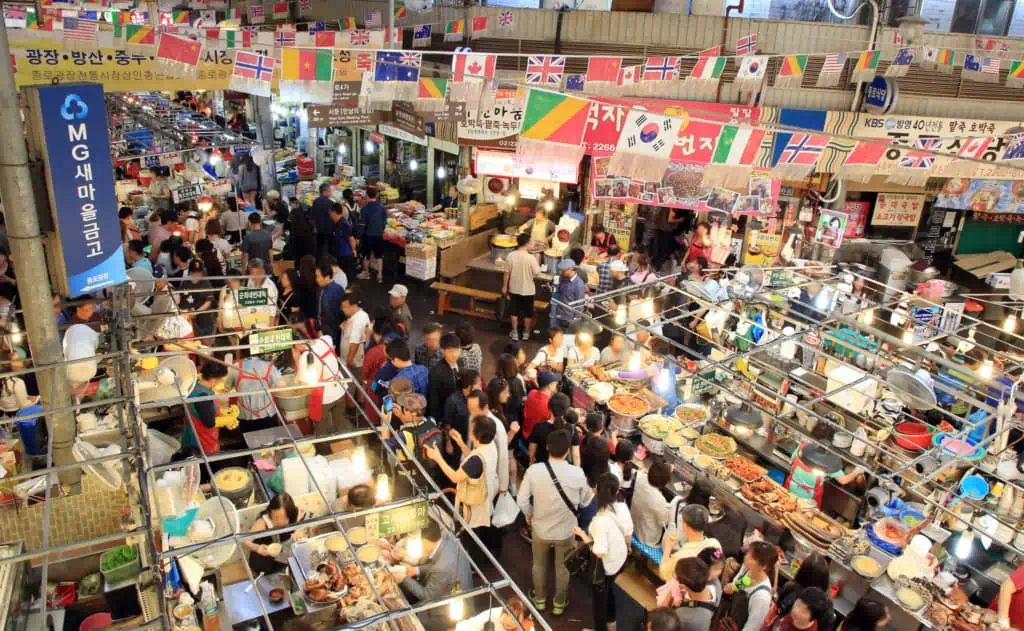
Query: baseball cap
x=399, y=291
x=547, y=378
x=618, y=266
x=412, y=402
x=566, y=264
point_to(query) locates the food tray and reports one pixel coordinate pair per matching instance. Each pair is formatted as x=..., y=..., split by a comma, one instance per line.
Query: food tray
x=744, y=468
x=718, y=446
x=654, y=445
x=690, y=413
x=628, y=405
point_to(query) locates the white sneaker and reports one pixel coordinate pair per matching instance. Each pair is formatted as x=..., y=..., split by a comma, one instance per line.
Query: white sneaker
x=513, y=335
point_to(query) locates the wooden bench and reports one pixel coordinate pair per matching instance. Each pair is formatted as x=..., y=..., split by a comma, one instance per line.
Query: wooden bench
x=444, y=291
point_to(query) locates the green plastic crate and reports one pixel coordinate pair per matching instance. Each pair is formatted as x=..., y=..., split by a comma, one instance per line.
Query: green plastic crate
x=123, y=572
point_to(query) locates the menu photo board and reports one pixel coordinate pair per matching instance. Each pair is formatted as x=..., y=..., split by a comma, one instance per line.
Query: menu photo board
x=188, y=193
x=618, y=221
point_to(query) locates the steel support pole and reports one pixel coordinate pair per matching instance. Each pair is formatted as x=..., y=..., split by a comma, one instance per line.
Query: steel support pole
x=391, y=43
x=33, y=280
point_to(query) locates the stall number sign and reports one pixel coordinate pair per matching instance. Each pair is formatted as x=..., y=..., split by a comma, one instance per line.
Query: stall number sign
x=188, y=193
x=258, y=297
x=397, y=521
x=897, y=209
x=270, y=341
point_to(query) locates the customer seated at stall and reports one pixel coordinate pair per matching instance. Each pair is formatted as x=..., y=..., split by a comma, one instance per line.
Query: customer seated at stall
x=615, y=352
x=812, y=611
x=550, y=356
x=444, y=568
x=695, y=521
x=650, y=510
x=583, y=353
x=264, y=551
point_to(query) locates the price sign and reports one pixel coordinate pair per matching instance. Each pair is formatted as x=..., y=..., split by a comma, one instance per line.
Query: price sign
x=897, y=209
x=258, y=297
x=270, y=341
x=188, y=193
x=397, y=521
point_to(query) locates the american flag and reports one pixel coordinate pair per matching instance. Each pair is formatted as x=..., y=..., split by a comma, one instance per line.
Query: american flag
x=746, y=44
x=834, y=62
x=505, y=19
x=373, y=20
x=990, y=65
x=545, y=69
x=79, y=29
x=253, y=66
x=410, y=59
x=360, y=38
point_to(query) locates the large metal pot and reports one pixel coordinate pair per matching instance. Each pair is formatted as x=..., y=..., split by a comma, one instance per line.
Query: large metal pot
x=293, y=400
x=500, y=247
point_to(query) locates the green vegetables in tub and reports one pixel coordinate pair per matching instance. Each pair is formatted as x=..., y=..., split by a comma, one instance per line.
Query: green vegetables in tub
x=118, y=557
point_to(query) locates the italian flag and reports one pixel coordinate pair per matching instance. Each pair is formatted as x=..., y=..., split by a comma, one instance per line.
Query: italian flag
x=709, y=68
x=737, y=145
x=236, y=39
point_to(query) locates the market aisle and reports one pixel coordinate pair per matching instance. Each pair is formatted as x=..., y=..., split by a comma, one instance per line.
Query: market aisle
x=492, y=336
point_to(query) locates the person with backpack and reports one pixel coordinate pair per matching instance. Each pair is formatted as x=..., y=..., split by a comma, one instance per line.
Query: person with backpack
x=650, y=510
x=610, y=533
x=416, y=433
x=751, y=590
x=693, y=520
x=550, y=497
x=700, y=598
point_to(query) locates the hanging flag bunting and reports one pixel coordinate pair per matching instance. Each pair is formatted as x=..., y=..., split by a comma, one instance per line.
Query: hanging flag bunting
x=235, y=39
x=798, y=156
x=252, y=73
x=866, y=66
x=714, y=51
x=233, y=15
x=735, y=151
x=472, y=66
x=897, y=39
x=929, y=57
x=602, y=73
x=974, y=148
x=401, y=12
x=136, y=39
x=421, y=36
x=326, y=39
x=205, y=19
x=984, y=45
x=479, y=26
x=284, y=36
x=374, y=20
x=1004, y=50
x=36, y=22
x=552, y=128
x=862, y=161
x=394, y=34
x=305, y=40
x=1015, y=78
x=431, y=94
x=984, y=69
x=831, y=70
x=316, y=27
x=347, y=24
x=180, y=17
x=900, y=64
x=1014, y=148
x=307, y=75
x=707, y=72
x=178, y=56
x=455, y=31
x=545, y=70
x=575, y=82
x=628, y=79
x=80, y=33
x=661, y=69
x=15, y=16
x=396, y=75
x=644, y=146
x=505, y=20
x=791, y=71
x=914, y=168
x=280, y=11
x=359, y=38
x=305, y=8
x=751, y=74
x=256, y=14
x=747, y=45
x=947, y=61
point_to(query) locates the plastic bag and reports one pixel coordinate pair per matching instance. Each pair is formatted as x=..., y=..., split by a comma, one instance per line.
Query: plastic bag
x=505, y=511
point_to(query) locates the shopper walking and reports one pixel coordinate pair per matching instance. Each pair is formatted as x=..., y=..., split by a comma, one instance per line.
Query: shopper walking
x=557, y=490
x=322, y=220
x=375, y=219
x=610, y=532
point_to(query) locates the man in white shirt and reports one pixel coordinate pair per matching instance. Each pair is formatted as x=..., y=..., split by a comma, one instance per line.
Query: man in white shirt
x=552, y=517
x=353, y=330
x=317, y=363
x=80, y=342
x=260, y=280
x=521, y=268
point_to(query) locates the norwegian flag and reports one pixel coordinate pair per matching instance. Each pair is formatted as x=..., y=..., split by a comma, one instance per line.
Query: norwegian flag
x=410, y=59
x=252, y=73
x=974, y=147
x=661, y=69
x=545, y=69
x=256, y=14
x=505, y=19
x=284, y=37
x=360, y=38
x=799, y=155
x=747, y=45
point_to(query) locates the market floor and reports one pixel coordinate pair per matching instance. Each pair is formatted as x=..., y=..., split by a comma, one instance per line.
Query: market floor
x=516, y=555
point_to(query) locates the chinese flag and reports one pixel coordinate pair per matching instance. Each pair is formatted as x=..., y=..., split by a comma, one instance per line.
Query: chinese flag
x=604, y=69
x=179, y=49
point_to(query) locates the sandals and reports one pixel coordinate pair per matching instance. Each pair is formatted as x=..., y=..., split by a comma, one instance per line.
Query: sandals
x=559, y=608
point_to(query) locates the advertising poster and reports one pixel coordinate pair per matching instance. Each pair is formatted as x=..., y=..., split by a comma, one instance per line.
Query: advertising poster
x=831, y=228
x=857, y=212
x=81, y=179
x=987, y=196
x=898, y=209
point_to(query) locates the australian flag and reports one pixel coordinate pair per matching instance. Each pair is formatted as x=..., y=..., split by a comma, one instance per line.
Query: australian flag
x=1014, y=148
x=421, y=36
x=316, y=27
x=575, y=82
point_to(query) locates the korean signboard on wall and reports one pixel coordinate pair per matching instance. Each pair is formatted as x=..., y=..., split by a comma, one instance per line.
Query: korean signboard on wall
x=897, y=209
x=80, y=176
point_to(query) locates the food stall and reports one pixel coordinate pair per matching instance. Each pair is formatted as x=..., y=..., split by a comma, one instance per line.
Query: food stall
x=899, y=426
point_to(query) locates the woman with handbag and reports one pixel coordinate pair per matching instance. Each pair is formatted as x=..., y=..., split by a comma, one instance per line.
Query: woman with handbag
x=610, y=533
x=476, y=479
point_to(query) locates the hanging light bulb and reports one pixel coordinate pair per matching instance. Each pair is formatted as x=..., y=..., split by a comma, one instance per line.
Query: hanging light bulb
x=964, y=544
x=342, y=149
x=383, y=489
x=636, y=361
x=359, y=459
x=16, y=336
x=414, y=546
x=457, y=609
x=986, y=369
x=510, y=200
x=908, y=336
x=1010, y=323
x=869, y=317
x=413, y=165
x=368, y=146
x=441, y=173
x=549, y=205
x=647, y=309
x=620, y=314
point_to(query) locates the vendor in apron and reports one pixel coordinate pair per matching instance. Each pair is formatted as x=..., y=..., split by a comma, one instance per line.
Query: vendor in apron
x=203, y=419
x=539, y=228
x=281, y=512
x=811, y=466
x=254, y=376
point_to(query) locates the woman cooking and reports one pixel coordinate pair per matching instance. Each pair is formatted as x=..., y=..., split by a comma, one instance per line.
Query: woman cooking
x=539, y=228
x=601, y=238
x=281, y=512
x=700, y=245
x=811, y=466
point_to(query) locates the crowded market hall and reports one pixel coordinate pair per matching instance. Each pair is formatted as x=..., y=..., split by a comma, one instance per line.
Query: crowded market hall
x=646, y=316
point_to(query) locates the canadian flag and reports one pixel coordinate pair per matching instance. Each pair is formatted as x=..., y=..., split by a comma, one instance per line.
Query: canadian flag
x=473, y=66
x=630, y=75
x=974, y=147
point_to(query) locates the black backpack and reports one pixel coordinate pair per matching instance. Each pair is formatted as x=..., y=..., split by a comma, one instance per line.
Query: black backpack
x=425, y=433
x=735, y=617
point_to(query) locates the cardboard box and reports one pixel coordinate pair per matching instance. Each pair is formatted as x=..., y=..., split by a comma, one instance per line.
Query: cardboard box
x=981, y=265
x=639, y=587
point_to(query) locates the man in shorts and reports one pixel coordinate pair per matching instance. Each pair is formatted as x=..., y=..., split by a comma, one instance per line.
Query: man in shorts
x=521, y=268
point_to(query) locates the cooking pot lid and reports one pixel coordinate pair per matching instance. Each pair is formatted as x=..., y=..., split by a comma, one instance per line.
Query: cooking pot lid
x=817, y=457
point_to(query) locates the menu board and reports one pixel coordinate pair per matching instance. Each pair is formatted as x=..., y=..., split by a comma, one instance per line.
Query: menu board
x=270, y=341
x=258, y=297
x=397, y=521
x=618, y=221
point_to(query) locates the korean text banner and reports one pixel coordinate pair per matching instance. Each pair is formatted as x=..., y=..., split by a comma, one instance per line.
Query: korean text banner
x=84, y=204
